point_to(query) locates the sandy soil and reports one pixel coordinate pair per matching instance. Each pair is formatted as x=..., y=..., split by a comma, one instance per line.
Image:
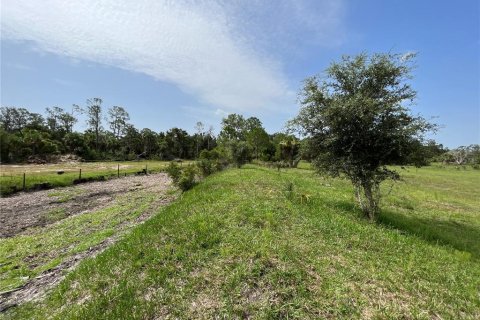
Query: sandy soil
x=23, y=211
x=28, y=209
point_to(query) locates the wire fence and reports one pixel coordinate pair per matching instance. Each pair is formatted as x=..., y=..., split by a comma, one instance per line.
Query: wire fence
x=38, y=177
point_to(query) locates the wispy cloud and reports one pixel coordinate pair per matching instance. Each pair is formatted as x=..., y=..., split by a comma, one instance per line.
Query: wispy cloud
x=218, y=51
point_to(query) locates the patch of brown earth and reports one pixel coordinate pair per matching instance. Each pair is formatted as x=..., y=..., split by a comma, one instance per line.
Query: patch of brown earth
x=25, y=210
x=28, y=209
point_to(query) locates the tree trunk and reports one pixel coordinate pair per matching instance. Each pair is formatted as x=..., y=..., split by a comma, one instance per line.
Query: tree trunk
x=371, y=198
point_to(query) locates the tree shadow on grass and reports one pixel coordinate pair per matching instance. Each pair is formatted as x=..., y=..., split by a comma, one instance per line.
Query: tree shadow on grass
x=458, y=235
x=455, y=234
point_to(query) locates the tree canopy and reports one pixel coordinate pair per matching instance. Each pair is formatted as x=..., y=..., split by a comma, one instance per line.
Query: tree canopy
x=358, y=121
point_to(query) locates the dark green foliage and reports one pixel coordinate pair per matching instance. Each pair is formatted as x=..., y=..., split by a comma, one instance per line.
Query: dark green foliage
x=240, y=153
x=124, y=142
x=206, y=167
x=174, y=172
x=358, y=122
x=214, y=154
x=422, y=154
x=187, y=178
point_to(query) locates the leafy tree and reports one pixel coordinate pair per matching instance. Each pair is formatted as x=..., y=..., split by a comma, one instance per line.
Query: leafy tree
x=358, y=121
x=460, y=155
x=132, y=141
x=259, y=140
x=179, y=143
x=74, y=142
x=94, y=118
x=464, y=155
x=118, y=119
x=210, y=138
x=474, y=154
x=16, y=119
x=60, y=122
x=239, y=152
x=150, y=141
x=38, y=143
x=53, y=115
x=233, y=127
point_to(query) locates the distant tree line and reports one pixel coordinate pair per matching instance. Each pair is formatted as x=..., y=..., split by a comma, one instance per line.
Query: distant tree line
x=27, y=136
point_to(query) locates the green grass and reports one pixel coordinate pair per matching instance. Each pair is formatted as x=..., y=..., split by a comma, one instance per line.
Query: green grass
x=11, y=176
x=438, y=204
x=255, y=243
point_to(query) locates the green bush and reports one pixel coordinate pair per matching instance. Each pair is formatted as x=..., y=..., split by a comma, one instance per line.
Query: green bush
x=206, y=167
x=174, y=172
x=240, y=153
x=220, y=164
x=210, y=155
x=187, y=178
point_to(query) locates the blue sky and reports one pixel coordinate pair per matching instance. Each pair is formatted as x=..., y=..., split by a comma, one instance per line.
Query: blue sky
x=174, y=63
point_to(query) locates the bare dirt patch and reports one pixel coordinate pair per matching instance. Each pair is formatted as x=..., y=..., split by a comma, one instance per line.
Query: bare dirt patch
x=32, y=209
x=27, y=212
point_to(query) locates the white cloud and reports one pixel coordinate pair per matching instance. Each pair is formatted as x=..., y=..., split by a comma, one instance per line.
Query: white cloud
x=209, y=49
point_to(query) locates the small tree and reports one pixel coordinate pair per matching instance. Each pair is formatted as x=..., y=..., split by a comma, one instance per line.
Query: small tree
x=358, y=121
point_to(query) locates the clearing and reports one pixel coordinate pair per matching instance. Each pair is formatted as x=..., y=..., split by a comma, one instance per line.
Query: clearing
x=257, y=243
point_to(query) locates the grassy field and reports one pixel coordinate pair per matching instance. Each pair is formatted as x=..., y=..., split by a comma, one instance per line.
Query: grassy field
x=11, y=176
x=257, y=243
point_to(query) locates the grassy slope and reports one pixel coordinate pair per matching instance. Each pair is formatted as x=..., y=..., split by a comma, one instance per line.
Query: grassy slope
x=239, y=245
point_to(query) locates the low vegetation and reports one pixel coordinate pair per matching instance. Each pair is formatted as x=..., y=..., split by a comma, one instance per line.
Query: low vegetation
x=267, y=243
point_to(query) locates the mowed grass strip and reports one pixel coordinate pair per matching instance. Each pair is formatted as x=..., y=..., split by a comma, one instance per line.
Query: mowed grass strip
x=244, y=243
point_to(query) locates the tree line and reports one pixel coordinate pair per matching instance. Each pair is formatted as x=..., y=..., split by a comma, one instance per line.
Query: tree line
x=28, y=136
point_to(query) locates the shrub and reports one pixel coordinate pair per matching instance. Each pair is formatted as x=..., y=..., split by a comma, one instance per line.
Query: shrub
x=206, y=167
x=174, y=172
x=240, y=153
x=220, y=164
x=187, y=178
x=210, y=155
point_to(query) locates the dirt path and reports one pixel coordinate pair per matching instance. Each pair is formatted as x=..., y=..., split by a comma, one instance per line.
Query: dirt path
x=29, y=209
x=20, y=213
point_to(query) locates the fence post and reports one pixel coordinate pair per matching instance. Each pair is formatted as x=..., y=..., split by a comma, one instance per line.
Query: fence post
x=118, y=171
x=80, y=174
x=24, y=181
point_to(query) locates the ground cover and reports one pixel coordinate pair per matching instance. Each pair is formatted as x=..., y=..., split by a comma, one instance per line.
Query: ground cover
x=259, y=243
